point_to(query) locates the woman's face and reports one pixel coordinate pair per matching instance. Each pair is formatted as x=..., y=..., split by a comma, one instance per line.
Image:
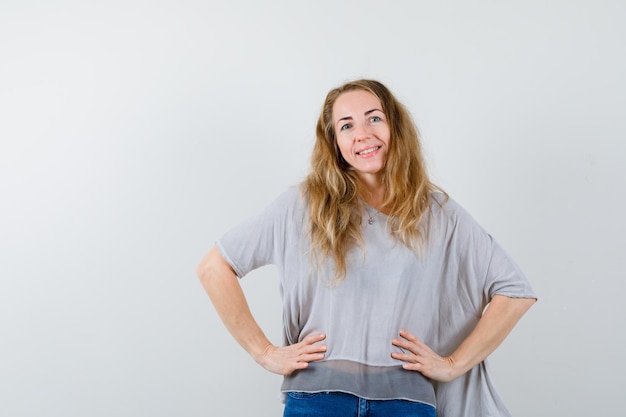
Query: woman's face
x=362, y=132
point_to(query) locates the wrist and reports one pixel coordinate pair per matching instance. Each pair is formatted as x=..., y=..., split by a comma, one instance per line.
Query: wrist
x=456, y=367
x=262, y=352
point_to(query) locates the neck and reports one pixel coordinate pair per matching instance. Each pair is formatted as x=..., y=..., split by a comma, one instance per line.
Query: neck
x=373, y=193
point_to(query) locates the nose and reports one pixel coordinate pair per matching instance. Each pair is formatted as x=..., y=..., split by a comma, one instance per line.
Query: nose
x=361, y=132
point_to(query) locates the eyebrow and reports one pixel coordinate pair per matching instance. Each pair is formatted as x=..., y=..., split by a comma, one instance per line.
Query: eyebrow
x=367, y=113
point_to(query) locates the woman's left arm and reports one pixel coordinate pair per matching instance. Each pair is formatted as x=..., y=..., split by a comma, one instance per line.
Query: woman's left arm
x=495, y=324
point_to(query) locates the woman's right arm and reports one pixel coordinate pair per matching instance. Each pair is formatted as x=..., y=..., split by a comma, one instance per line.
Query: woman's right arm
x=222, y=285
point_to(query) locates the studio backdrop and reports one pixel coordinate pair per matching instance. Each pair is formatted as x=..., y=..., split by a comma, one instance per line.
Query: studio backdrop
x=133, y=134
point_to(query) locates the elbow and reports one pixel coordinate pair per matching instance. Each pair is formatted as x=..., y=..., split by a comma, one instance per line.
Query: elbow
x=202, y=268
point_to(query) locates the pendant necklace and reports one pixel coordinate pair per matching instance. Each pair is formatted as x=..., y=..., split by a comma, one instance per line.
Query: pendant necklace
x=370, y=221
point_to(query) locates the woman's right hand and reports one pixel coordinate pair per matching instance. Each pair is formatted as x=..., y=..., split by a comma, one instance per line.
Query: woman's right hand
x=287, y=359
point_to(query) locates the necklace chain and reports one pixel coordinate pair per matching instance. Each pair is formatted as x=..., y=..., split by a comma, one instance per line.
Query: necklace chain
x=371, y=218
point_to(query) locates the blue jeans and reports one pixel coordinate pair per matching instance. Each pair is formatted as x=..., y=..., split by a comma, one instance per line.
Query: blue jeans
x=339, y=404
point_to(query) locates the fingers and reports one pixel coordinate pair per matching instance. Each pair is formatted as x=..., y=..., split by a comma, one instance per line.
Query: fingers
x=417, y=356
x=412, y=361
x=287, y=359
x=408, y=335
x=410, y=342
x=310, y=345
x=308, y=350
x=313, y=340
x=410, y=338
x=412, y=350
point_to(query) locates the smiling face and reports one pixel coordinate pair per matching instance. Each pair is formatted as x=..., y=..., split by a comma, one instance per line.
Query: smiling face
x=362, y=133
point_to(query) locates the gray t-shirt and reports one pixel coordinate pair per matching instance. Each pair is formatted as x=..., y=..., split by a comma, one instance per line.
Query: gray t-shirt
x=438, y=295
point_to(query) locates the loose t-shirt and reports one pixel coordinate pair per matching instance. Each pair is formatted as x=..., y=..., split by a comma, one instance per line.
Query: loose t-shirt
x=438, y=295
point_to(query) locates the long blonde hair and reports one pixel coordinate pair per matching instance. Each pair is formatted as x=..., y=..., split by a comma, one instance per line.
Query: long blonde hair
x=332, y=187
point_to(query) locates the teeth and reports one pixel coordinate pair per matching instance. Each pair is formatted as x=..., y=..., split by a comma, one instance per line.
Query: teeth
x=370, y=150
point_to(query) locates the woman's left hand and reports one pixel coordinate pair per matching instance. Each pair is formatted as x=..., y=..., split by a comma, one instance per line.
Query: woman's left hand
x=494, y=325
x=419, y=357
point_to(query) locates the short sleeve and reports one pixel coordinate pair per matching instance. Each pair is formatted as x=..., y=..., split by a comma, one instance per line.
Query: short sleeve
x=259, y=240
x=505, y=277
x=482, y=267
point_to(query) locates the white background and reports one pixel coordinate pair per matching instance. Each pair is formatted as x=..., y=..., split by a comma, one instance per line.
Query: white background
x=134, y=133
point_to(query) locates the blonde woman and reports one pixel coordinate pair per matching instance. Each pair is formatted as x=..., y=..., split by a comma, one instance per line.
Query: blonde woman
x=385, y=279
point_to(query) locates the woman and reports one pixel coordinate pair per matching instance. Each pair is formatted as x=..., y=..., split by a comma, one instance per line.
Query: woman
x=384, y=278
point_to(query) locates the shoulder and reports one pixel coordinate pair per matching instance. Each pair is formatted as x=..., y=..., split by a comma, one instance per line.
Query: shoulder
x=442, y=205
x=287, y=204
x=289, y=197
x=448, y=214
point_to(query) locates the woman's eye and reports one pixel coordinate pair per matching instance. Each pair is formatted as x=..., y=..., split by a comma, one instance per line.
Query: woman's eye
x=375, y=119
x=345, y=127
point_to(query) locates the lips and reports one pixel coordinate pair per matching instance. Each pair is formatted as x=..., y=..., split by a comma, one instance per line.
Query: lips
x=368, y=150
